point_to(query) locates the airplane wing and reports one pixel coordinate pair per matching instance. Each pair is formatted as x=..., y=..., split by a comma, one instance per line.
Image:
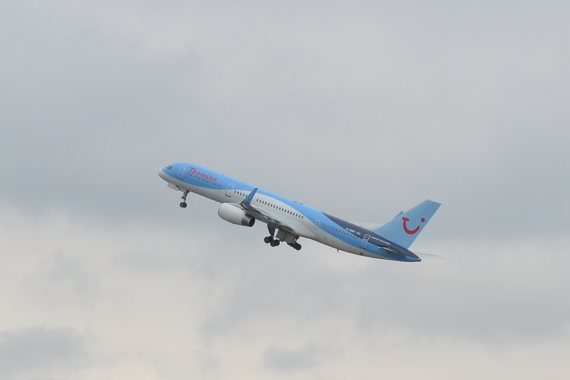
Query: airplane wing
x=262, y=215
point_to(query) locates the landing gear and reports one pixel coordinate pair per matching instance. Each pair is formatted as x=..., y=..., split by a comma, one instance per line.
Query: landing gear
x=271, y=239
x=282, y=236
x=183, y=204
x=295, y=245
x=272, y=242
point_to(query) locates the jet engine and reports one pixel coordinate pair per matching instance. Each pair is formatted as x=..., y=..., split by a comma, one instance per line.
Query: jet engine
x=233, y=213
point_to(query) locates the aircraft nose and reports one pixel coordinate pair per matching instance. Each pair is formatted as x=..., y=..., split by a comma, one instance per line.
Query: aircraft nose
x=162, y=174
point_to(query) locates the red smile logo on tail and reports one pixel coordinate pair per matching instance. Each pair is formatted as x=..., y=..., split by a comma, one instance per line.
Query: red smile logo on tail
x=405, y=221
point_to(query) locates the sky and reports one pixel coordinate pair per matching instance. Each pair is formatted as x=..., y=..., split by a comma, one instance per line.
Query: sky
x=361, y=109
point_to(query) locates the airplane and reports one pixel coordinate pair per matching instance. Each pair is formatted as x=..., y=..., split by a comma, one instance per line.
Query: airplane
x=288, y=220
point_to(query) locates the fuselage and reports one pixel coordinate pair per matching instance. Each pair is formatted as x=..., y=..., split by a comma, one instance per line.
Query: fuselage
x=304, y=220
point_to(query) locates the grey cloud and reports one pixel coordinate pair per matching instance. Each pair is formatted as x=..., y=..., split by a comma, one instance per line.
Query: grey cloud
x=504, y=300
x=391, y=102
x=361, y=109
x=194, y=290
x=291, y=360
x=40, y=349
x=62, y=279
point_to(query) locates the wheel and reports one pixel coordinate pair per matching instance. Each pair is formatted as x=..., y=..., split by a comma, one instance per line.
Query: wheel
x=267, y=239
x=183, y=204
x=295, y=246
x=276, y=242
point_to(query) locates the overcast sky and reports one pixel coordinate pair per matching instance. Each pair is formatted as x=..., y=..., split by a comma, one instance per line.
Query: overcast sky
x=362, y=109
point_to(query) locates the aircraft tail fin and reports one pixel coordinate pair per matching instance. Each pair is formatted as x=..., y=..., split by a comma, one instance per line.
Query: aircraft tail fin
x=406, y=226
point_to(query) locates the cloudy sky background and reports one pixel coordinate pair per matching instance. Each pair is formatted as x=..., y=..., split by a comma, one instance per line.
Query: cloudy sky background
x=360, y=109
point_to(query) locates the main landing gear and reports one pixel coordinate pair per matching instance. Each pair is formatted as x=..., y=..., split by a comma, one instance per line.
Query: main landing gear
x=183, y=204
x=272, y=241
x=295, y=245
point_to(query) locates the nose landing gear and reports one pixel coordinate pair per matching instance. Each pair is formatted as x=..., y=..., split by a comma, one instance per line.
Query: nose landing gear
x=183, y=204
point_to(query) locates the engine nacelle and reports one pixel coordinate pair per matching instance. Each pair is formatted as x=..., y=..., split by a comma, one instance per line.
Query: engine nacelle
x=232, y=213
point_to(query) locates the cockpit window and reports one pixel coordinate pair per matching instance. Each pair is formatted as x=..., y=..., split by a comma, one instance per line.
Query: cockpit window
x=169, y=167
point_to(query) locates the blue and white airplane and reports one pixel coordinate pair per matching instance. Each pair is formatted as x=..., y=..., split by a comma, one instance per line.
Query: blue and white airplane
x=287, y=220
